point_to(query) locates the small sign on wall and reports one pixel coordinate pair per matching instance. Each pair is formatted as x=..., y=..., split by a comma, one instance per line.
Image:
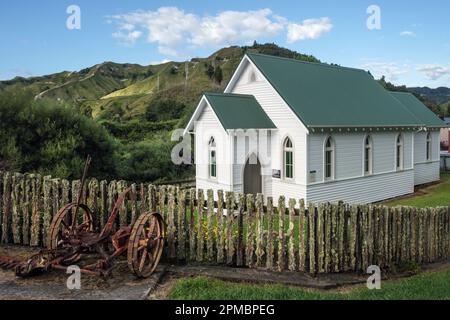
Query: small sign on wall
x=312, y=176
x=276, y=174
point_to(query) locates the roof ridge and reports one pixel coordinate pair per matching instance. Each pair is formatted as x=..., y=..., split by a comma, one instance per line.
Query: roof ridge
x=402, y=92
x=228, y=94
x=321, y=64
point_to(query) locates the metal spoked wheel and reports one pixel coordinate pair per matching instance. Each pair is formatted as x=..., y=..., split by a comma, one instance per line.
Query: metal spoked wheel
x=146, y=244
x=61, y=229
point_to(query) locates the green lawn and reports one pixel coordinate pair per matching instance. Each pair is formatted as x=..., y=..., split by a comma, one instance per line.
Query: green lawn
x=432, y=285
x=432, y=196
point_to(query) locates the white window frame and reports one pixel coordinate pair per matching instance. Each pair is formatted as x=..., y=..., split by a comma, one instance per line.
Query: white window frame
x=429, y=148
x=399, y=145
x=332, y=149
x=212, y=147
x=369, y=157
x=291, y=150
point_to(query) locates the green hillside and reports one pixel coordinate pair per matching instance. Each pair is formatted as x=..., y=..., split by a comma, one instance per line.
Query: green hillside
x=121, y=92
x=139, y=106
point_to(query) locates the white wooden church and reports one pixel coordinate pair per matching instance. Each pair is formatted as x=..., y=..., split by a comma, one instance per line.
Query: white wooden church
x=313, y=131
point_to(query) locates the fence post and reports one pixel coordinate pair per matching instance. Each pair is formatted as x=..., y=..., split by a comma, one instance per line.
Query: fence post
x=319, y=238
x=36, y=214
x=25, y=206
x=270, y=235
x=92, y=201
x=413, y=248
x=250, y=238
x=16, y=225
x=259, y=230
x=1, y=202
x=171, y=223
x=385, y=236
x=303, y=237
x=6, y=220
x=143, y=197
x=281, y=233
x=420, y=235
x=221, y=236
x=341, y=231
x=133, y=203
x=192, y=231
x=312, y=238
x=292, y=264
x=353, y=236
x=200, y=236
x=240, y=229
x=334, y=237
x=182, y=225
x=123, y=212
x=230, y=217
x=103, y=209
x=210, y=228
x=152, y=199
x=47, y=218
x=162, y=202
x=327, y=221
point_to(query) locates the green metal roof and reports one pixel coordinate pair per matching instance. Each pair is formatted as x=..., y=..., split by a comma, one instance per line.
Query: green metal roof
x=322, y=95
x=238, y=111
x=418, y=109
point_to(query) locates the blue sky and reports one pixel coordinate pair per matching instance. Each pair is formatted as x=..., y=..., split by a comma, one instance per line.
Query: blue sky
x=412, y=47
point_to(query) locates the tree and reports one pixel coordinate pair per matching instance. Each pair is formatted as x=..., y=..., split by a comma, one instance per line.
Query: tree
x=163, y=110
x=209, y=71
x=52, y=138
x=218, y=75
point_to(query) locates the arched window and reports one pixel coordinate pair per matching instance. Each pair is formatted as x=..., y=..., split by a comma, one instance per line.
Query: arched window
x=252, y=77
x=368, y=155
x=329, y=159
x=212, y=158
x=288, y=154
x=428, y=146
x=399, y=152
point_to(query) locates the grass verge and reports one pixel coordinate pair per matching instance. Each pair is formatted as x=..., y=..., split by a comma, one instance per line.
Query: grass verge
x=425, y=286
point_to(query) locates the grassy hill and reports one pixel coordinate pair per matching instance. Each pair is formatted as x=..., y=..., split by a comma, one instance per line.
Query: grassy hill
x=439, y=95
x=121, y=92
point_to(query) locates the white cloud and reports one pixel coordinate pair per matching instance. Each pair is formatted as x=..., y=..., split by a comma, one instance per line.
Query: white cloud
x=127, y=38
x=434, y=71
x=391, y=70
x=407, y=33
x=155, y=63
x=308, y=29
x=172, y=29
x=229, y=27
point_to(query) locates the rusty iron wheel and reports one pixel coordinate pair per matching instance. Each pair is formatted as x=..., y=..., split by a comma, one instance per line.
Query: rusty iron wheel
x=146, y=244
x=60, y=229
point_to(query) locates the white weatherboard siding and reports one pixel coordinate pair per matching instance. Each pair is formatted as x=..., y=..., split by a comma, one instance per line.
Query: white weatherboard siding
x=349, y=153
x=363, y=190
x=350, y=184
x=426, y=171
x=208, y=125
x=289, y=126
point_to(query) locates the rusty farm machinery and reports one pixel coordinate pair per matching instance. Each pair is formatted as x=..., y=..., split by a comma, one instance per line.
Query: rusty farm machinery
x=71, y=236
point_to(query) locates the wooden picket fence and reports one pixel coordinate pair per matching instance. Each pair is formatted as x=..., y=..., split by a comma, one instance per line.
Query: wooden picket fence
x=238, y=230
